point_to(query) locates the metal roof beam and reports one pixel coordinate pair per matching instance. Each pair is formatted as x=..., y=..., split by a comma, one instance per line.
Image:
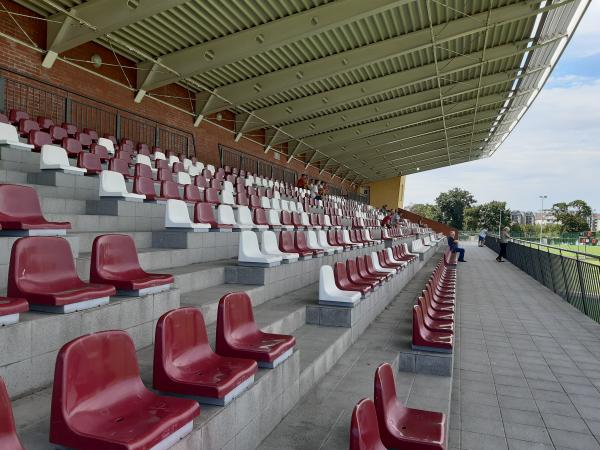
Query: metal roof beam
x=93, y=19
x=253, y=41
x=272, y=83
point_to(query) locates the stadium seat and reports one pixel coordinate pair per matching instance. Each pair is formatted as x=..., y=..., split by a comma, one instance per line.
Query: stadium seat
x=330, y=294
x=401, y=427
x=54, y=157
x=26, y=126
x=112, y=184
x=211, y=196
x=323, y=242
x=343, y=282
x=72, y=146
x=260, y=218
x=203, y=213
x=432, y=322
x=107, y=144
x=169, y=190
x=8, y=432
x=269, y=246
x=185, y=364
x=90, y=162
x=312, y=242
x=389, y=258
x=115, y=262
x=84, y=139
x=364, y=429
x=16, y=115
x=357, y=278
x=121, y=166
x=100, y=151
x=100, y=402
x=287, y=244
x=145, y=186
x=21, y=213
x=302, y=245
x=177, y=216
x=93, y=134
x=143, y=171
x=249, y=253
x=38, y=139
x=42, y=271
x=225, y=217
x=183, y=178
x=243, y=218
x=378, y=267
x=273, y=219
x=425, y=339
x=70, y=128
x=226, y=197
x=10, y=138
x=192, y=194
x=10, y=311
x=239, y=337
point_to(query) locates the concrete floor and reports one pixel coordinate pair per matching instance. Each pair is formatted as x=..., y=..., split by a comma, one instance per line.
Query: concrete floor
x=527, y=364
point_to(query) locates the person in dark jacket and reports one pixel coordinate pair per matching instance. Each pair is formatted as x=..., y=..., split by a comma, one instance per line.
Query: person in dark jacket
x=453, y=244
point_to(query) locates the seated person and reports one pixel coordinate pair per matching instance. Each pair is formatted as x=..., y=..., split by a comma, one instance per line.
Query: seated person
x=453, y=244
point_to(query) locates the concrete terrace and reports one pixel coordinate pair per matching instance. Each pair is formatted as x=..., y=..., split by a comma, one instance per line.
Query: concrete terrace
x=527, y=364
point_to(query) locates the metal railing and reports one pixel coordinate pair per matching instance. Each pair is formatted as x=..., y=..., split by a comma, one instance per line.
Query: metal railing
x=258, y=166
x=576, y=280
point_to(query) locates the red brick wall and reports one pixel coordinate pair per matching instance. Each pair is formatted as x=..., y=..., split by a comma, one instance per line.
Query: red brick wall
x=18, y=60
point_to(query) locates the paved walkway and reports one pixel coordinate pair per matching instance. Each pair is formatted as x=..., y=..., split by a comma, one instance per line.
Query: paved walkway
x=527, y=367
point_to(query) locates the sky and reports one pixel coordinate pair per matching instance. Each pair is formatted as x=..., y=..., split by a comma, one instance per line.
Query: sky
x=555, y=148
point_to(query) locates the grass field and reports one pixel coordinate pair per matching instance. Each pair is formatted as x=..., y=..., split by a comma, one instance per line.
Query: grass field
x=593, y=251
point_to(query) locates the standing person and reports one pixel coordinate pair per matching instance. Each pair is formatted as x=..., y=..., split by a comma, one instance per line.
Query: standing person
x=482, y=235
x=395, y=218
x=453, y=244
x=386, y=220
x=314, y=189
x=504, y=238
x=301, y=183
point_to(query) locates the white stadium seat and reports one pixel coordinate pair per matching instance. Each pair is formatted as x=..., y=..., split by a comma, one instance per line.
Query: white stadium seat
x=108, y=145
x=265, y=203
x=249, y=253
x=243, y=218
x=323, y=242
x=273, y=218
x=183, y=178
x=313, y=243
x=225, y=216
x=270, y=247
x=226, y=197
x=329, y=294
x=54, y=157
x=378, y=268
x=112, y=184
x=178, y=216
x=9, y=136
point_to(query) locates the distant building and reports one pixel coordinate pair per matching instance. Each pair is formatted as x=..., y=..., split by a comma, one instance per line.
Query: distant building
x=545, y=217
x=595, y=222
x=522, y=217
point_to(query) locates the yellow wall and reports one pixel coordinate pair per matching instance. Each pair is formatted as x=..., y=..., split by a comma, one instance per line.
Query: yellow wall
x=388, y=192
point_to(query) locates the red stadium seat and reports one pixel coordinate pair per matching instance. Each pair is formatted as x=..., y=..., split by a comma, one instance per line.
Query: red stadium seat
x=434, y=323
x=21, y=213
x=121, y=166
x=203, y=213
x=115, y=261
x=425, y=339
x=99, y=401
x=42, y=271
x=184, y=362
x=259, y=217
x=164, y=174
x=142, y=170
x=287, y=244
x=367, y=263
x=302, y=246
x=242, y=199
x=57, y=134
x=111, y=138
x=84, y=139
x=92, y=133
x=100, y=151
x=343, y=282
x=15, y=116
x=211, y=196
x=161, y=164
x=239, y=337
x=38, y=138
x=169, y=190
x=200, y=181
x=27, y=125
x=402, y=427
x=125, y=155
x=70, y=128
x=44, y=123
x=72, y=146
x=177, y=167
x=192, y=194
x=143, y=149
x=364, y=429
x=145, y=186
x=356, y=277
x=90, y=162
x=8, y=432
x=10, y=309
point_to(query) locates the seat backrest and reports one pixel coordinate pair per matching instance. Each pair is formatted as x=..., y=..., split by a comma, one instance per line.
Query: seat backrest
x=243, y=215
x=143, y=159
x=260, y=217
x=241, y=199
x=39, y=138
x=161, y=164
x=89, y=161
x=192, y=193
x=352, y=270
x=225, y=215
x=211, y=195
x=119, y=165
x=142, y=170
x=112, y=182
x=143, y=149
x=94, y=372
x=57, y=134
x=41, y=261
x=108, y=144
x=286, y=218
x=124, y=154
x=227, y=197
x=300, y=239
x=269, y=243
x=19, y=203
x=8, y=432
x=145, y=186
x=255, y=201
x=385, y=392
x=26, y=125
x=364, y=427
x=235, y=319
x=164, y=174
x=286, y=242
x=273, y=217
x=4, y=118
x=8, y=133
x=113, y=254
x=183, y=178
x=178, y=167
x=45, y=123
x=84, y=139
x=203, y=213
x=169, y=190
x=16, y=115
x=92, y=133
x=99, y=150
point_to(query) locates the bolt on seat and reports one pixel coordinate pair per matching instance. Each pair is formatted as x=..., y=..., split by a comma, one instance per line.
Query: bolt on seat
x=238, y=336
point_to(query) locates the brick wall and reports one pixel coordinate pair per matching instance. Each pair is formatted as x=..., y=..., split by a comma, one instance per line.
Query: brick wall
x=22, y=63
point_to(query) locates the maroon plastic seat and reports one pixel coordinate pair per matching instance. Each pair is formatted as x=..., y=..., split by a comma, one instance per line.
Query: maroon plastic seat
x=169, y=190
x=164, y=175
x=286, y=219
x=211, y=196
x=8, y=432
x=192, y=194
x=343, y=282
x=241, y=199
x=72, y=146
x=184, y=362
x=89, y=161
x=27, y=125
x=177, y=167
x=297, y=221
x=435, y=323
x=364, y=429
x=145, y=186
x=39, y=138
x=402, y=427
x=57, y=134
x=93, y=134
x=385, y=263
x=203, y=213
x=356, y=277
x=302, y=245
x=363, y=270
x=115, y=261
x=207, y=174
x=239, y=337
x=125, y=155
x=436, y=314
x=42, y=271
x=121, y=166
x=10, y=306
x=84, y=139
x=70, y=128
x=260, y=217
x=425, y=339
x=254, y=201
x=99, y=401
x=161, y=164
x=16, y=115
x=126, y=142
x=143, y=149
x=287, y=244
x=334, y=238
x=216, y=184
x=200, y=181
x=44, y=123
x=142, y=170
x=21, y=212
x=100, y=151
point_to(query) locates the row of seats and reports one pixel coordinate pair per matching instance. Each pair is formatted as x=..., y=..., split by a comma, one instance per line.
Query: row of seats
x=100, y=402
x=387, y=423
x=433, y=315
x=346, y=283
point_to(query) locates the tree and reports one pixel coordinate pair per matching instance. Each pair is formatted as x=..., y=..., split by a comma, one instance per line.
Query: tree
x=426, y=210
x=573, y=216
x=452, y=205
x=471, y=218
x=489, y=215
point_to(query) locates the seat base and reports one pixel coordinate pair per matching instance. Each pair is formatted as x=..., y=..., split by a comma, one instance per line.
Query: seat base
x=229, y=397
x=277, y=361
x=221, y=230
x=73, y=307
x=145, y=291
x=125, y=198
x=40, y=232
x=9, y=319
x=430, y=349
x=191, y=229
x=258, y=264
x=303, y=258
x=15, y=145
x=350, y=303
x=67, y=170
x=289, y=260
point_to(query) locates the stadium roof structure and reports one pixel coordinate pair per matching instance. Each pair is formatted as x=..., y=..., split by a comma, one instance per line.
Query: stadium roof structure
x=363, y=89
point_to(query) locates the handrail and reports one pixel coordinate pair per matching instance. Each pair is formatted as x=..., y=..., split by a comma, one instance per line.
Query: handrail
x=560, y=249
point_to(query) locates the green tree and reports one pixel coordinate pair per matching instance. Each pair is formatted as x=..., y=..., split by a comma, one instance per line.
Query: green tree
x=471, y=218
x=489, y=215
x=426, y=210
x=573, y=216
x=452, y=205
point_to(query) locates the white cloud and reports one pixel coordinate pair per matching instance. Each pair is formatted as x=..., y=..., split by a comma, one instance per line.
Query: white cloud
x=587, y=37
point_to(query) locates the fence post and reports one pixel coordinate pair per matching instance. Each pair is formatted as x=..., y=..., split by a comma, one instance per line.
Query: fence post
x=118, y=126
x=581, y=285
x=3, y=95
x=68, y=108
